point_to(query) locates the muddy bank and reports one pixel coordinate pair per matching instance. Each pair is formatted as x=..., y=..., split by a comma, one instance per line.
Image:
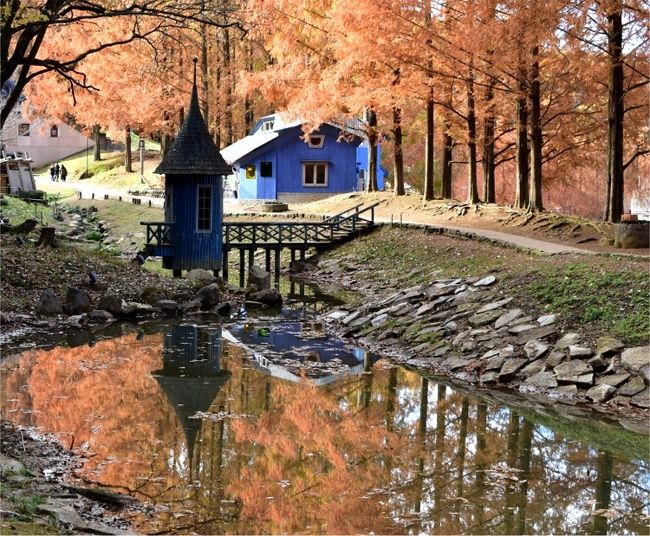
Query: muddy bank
x=39, y=495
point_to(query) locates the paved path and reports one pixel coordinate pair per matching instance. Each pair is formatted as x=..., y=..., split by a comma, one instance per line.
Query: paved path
x=504, y=238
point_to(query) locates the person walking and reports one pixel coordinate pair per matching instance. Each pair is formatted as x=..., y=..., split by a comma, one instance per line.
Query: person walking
x=57, y=170
x=64, y=173
x=52, y=172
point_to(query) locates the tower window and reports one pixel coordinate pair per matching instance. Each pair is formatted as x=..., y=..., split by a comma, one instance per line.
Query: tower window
x=204, y=209
x=54, y=131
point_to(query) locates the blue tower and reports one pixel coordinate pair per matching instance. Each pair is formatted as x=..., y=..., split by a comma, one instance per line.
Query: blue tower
x=191, y=235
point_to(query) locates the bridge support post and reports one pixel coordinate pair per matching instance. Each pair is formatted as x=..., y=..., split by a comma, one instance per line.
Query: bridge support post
x=242, y=264
x=277, y=268
x=225, y=265
x=251, y=257
x=267, y=260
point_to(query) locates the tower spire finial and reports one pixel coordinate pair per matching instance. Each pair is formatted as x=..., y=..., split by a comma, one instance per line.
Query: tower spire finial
x=195, y=60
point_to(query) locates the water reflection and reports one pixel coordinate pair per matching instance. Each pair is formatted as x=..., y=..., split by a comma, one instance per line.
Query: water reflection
x=386, y=451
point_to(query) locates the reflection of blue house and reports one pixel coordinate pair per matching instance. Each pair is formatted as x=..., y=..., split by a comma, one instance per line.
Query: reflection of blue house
x=275, y=162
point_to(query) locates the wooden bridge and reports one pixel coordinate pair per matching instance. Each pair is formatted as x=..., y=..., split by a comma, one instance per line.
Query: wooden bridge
x=272, y=238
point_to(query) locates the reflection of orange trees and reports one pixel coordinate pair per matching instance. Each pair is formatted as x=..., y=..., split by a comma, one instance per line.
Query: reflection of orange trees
x=103, y=399
x=314, y=466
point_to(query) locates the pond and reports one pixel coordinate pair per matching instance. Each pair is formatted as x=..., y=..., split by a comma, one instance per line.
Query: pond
x=269, y=426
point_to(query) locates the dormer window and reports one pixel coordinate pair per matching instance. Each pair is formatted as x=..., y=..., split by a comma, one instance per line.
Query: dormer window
x=315, y=141
x=267, y=126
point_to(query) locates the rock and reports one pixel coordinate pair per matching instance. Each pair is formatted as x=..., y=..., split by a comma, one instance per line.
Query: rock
x=380, y=320
x=450, y=327
x=507, y=351
x=579, y=351
x=555, y=358
x=598, y=362
x=494, y=305
x=520, y=328
x=132, y=309
x=533, y=368
x=99, y=315
x=349, y=318
x=574, y=371
x=642, y=399
x=48, y=304
x=454, y=363
x=534, y=349
x=77, y=301
x=567, y=340
x=198, y=274
x=494, y=363
x=564, y=391
x=151, y=295
x=543, y=379
x=168, y=307
x=613, y=379
x=537, y=333
x=508, y=317
x=223, y=309
x=511, y=366
x=360, y=322
x=486, y=281
x=637, y=360
x=76, y=320
x=601, y=393
x=632, y=387
x=608, y=346
x=259, y=278
x=482, y=319
x=270, y=297
x=337, y=315
x=209, y=296
x=489, y=377
x=546, y=320
x=112, y=303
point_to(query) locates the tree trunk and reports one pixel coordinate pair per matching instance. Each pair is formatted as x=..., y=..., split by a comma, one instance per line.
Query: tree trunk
x=228, y=81
x=472, y=185
x=428, y=158
x=615, y=108
x=521, y=190
x=489, y=189
x=603, y=491
x=535, y=198
x=398, y=187
x=128, y=156
x=248, y=104
x=97, y=150
x=525, y=444
x=165, y=143
x=204, y=73
x=372, y=151
x=447, y=157
x=217, y=114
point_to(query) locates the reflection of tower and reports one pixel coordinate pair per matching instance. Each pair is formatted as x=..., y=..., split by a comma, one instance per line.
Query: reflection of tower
x=191, y=375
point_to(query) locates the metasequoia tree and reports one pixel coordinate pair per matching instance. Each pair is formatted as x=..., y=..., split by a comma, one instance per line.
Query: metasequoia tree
x=28, y=26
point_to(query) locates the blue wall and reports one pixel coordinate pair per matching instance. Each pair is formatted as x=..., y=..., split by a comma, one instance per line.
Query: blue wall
x=194, y=249
x=287, y=153
x=362, y=163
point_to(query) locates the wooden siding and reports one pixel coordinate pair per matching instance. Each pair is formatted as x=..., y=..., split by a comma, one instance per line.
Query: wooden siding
x=192, y=248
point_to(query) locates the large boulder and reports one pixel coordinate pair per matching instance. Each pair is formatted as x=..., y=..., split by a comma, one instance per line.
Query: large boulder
x=575, y=371
x=209, y=296
x=112, y=303
x=637, y=360
x=77, y=301
x=48, y=304
x=198, y=274
x=270, y=297
x=259, y=278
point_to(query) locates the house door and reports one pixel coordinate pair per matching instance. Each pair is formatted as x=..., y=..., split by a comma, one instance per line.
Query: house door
x=267, y=186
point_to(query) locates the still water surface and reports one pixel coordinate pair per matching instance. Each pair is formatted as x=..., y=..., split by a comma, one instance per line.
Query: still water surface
x=221, y=442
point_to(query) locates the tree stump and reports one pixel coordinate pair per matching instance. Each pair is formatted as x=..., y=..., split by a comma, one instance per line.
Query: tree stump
x=47, y=238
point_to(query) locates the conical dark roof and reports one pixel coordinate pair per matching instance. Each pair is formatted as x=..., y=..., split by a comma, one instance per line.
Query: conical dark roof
x=193, y=152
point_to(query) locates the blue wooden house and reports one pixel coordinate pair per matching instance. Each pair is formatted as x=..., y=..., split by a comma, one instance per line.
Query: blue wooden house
x=191, y=235
x=275, y=161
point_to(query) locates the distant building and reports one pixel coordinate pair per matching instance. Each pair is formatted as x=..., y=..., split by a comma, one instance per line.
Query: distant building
x=43, y=141
x=275, y=162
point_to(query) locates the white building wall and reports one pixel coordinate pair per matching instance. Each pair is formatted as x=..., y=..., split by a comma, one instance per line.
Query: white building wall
x=39, y=143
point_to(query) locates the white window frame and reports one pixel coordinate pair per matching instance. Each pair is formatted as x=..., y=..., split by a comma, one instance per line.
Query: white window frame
x=319, y=145
x=267, y=126
x=198, y=201
x=313, y=184
x=24, y=129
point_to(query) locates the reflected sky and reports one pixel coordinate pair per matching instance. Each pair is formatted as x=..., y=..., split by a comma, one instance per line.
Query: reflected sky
x=186, y=420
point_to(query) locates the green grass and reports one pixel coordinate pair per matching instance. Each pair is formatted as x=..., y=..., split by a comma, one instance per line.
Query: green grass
x=616, y=301
x=18, y=211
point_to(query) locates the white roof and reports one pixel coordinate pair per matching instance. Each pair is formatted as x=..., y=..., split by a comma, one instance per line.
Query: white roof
x=246, y=145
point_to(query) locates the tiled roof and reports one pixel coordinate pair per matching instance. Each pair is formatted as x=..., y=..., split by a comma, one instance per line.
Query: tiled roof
x=194, y=152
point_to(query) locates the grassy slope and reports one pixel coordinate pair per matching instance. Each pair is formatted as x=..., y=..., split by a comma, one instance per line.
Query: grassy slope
x=594, y=295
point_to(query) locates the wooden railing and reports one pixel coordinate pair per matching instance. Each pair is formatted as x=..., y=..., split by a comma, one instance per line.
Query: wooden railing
x=158, y=233
x=278, y=234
